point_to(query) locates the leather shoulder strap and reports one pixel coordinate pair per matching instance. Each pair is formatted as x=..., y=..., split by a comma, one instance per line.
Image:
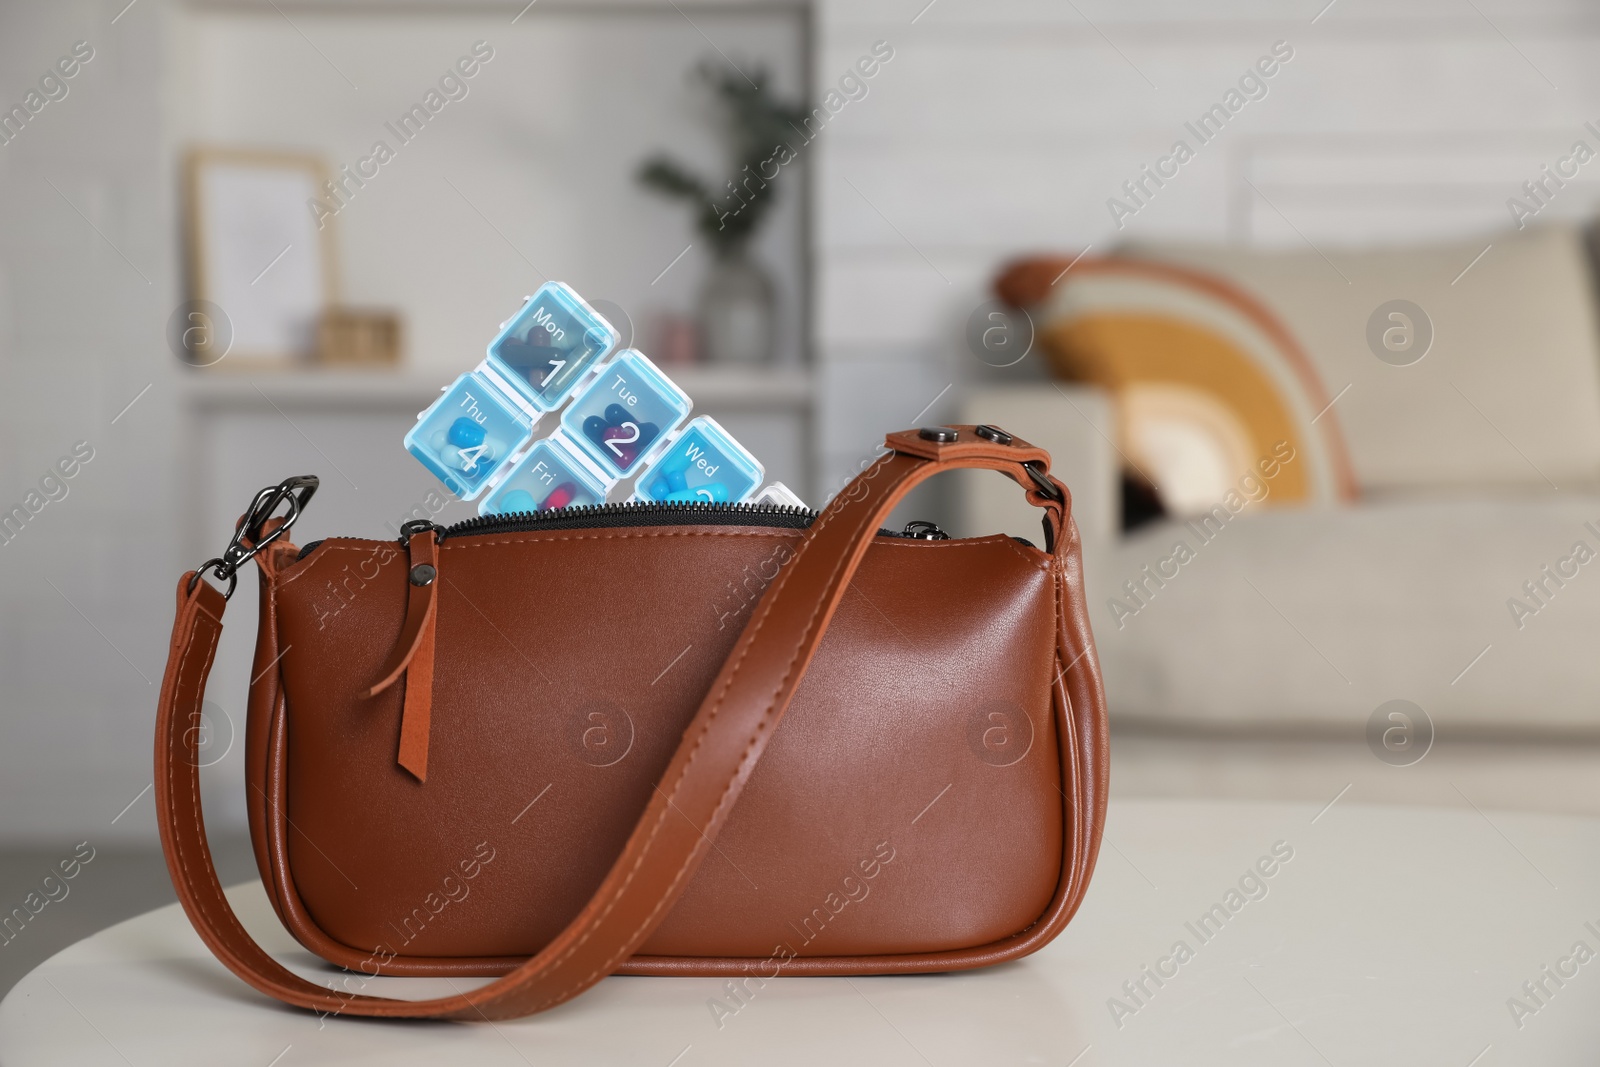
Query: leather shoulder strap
x=719, y=750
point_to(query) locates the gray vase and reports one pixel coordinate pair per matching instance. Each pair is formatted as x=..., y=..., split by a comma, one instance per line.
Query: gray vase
x=737, y=314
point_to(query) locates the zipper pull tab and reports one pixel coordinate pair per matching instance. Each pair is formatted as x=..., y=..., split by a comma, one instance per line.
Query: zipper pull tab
x=921, y=530
x=412, y=657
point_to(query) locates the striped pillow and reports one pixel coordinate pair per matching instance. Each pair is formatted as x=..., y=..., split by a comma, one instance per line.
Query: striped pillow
x=1216, y=403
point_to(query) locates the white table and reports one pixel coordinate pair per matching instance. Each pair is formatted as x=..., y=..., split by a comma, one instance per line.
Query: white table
x=1393, y=936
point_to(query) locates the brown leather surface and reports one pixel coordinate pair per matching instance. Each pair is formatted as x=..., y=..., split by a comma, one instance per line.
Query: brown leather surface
x=879, y=725
x=873, y=836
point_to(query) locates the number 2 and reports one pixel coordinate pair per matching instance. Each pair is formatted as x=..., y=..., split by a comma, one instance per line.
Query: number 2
x=615, y=443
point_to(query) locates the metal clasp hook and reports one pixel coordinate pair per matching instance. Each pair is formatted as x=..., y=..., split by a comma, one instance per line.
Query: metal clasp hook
x=247, y=536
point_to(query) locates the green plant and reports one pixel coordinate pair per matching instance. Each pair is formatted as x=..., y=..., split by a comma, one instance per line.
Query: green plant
x=757, y=125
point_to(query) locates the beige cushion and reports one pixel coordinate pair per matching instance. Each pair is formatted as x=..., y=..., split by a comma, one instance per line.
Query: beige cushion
x=1508, y=393
x=1315, y=618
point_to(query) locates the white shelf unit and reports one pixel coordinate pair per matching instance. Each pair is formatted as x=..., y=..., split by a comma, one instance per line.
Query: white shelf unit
x=739, y=388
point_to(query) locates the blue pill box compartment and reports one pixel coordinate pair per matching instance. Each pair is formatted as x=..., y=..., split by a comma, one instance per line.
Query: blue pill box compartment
x=704, y=464
x=550, y=344
x=550, y=475
x=625, y=413
x=467, y=435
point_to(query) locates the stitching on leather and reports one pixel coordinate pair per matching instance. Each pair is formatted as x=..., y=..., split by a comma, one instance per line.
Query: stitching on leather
x=694, y=753
x=1036, y=564
x=199, y=899
x=655, y=830
x=760, y=730
x=622, y=535
x=482, y=542
x=660, y=821
x=1082, y=830
x=275, y=808
x=177, y=689
x=766, y=717
x=761, y=727
x=1067, y=861
x=1064, y=883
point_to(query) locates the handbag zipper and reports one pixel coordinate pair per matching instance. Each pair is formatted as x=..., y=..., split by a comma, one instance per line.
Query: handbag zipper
x=636, y=513
x=633, y=513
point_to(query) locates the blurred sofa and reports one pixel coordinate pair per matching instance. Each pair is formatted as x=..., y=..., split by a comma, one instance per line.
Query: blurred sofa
x=1449, y=557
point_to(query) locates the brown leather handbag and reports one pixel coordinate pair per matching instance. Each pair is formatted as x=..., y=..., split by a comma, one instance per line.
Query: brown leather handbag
x=548, y=747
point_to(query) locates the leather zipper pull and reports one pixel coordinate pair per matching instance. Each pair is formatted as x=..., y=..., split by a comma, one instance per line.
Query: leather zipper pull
x=413, y=653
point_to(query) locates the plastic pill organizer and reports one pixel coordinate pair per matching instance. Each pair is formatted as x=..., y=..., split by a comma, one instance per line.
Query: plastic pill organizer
x=626, y=420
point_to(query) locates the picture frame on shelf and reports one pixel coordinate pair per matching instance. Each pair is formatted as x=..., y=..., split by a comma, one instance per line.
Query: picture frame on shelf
x=261, y=268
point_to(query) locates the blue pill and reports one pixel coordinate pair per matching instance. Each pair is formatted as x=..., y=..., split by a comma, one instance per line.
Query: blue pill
x=668, y=479
x=517, y=500
x=710, y=493
x=464, y=433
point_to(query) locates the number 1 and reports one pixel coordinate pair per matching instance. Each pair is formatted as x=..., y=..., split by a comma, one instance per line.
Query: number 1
x=555, y=365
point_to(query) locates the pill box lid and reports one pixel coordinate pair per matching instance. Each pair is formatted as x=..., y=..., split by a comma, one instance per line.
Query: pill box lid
x=664, y=387
x=515, y=422
x=596, y=482
x=712, y=432
x=565, y=452
x=573, y=454
x=726, y=443
x=651, y=398
x=491, y=387
x=599, y=335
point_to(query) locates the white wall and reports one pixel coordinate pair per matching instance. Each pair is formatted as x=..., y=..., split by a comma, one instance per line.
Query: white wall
x=532, y=174
x=1003, y=127
x=86, y=282
x=999, y=127
x=545, y=146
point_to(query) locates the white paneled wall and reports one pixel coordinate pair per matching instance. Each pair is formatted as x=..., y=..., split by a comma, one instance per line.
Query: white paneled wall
x=545, y=147
x=531, y=174
x=86, y=269
x=999, y=127
x=1002, y=127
